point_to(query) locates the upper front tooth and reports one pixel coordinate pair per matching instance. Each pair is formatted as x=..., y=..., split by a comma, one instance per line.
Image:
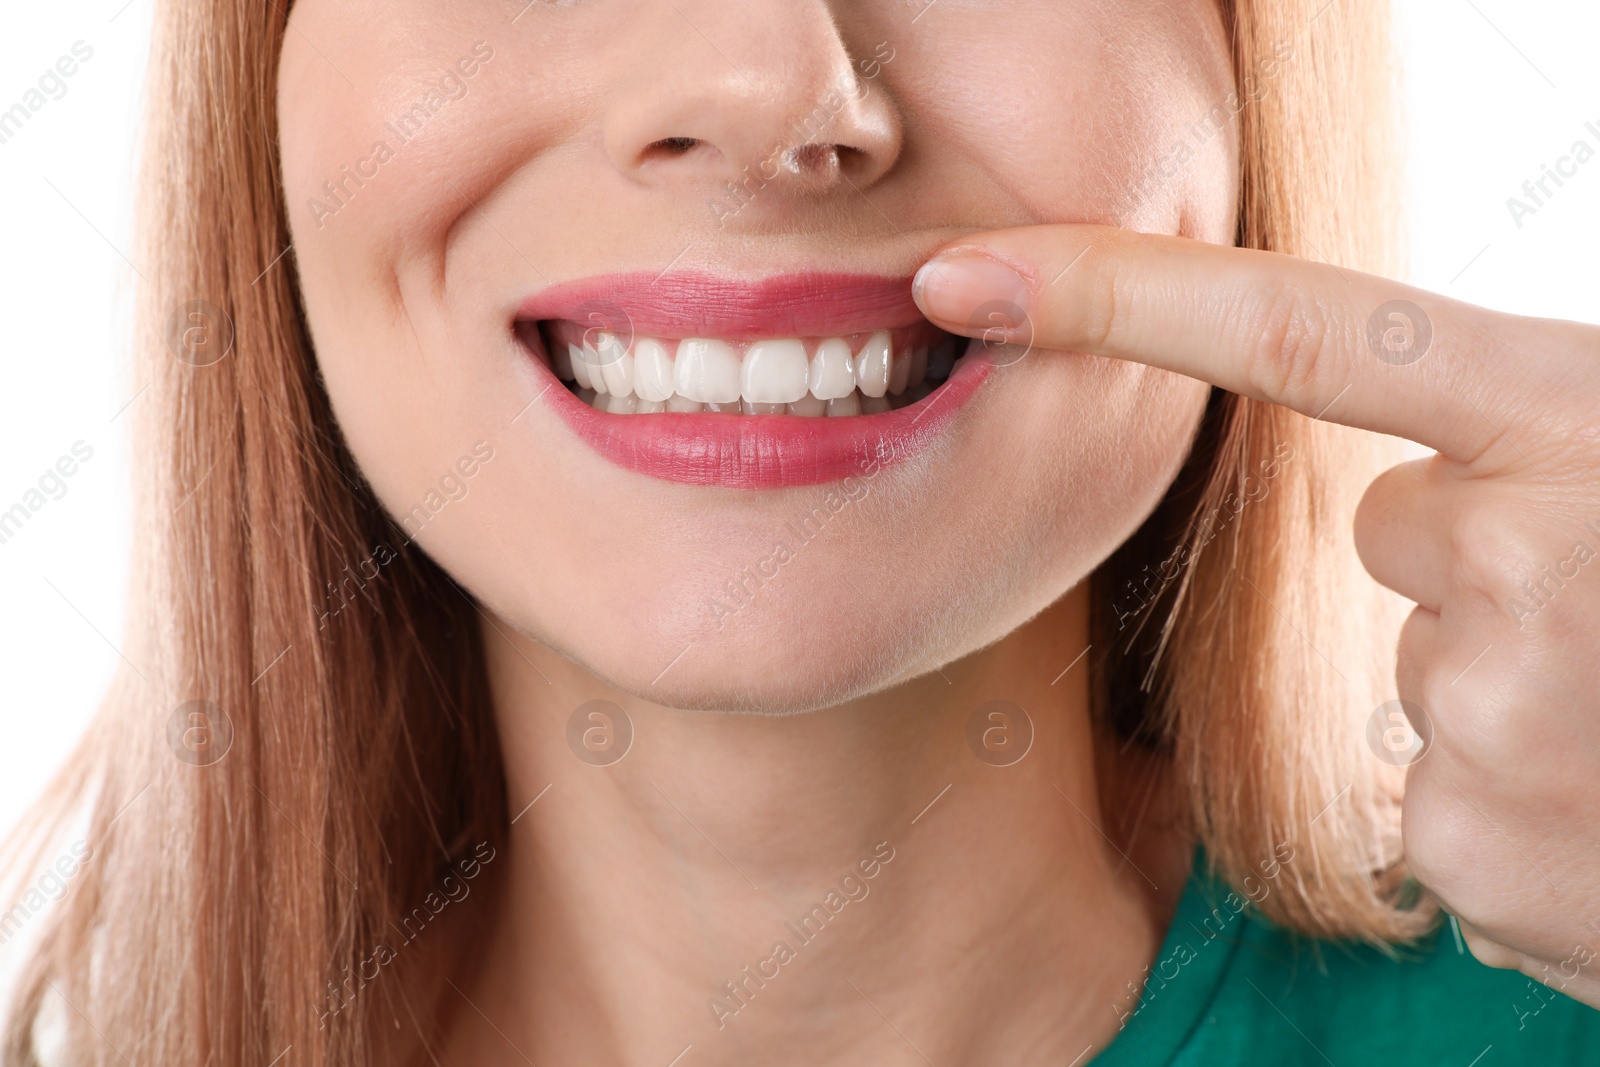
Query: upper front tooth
x=872, y=365
x=774, y=372
x=832, y=373
x=707, y=371
x=652, y=369
x=597, y=373
x=580, y=366
x=616, y=364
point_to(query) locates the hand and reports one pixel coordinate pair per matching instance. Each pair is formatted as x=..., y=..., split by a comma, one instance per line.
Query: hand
x=1496, y=538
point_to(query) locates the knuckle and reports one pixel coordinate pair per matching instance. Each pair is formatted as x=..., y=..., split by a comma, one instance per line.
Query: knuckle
x=1484, y=722
x=1285, y=332
x=1490, y=556
x=1107, y=311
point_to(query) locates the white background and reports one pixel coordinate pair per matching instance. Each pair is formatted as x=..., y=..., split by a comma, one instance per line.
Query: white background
x=1494, y=90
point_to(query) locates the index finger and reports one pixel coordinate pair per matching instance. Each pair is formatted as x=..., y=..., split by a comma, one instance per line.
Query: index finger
x=1327, y=342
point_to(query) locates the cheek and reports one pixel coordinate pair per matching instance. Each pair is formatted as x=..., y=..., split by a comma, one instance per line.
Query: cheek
x=1124, y=119
x=395, y=133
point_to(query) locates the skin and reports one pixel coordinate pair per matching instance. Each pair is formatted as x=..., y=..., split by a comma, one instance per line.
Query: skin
x=630, y=893
x=1494, y=537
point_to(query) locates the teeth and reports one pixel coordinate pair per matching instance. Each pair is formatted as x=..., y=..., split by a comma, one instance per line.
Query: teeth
x=652, y=369
x=847, y=405
x=597, y=376
x=774, y=372
x=872, y=365
x=772, y=376
x=616, y=365
x=833, y=370
x=919, y=364
x=579, y=366
x=899, y=371
x=707, y=371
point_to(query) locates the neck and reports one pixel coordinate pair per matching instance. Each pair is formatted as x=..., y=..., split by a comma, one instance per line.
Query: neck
x=853, y=884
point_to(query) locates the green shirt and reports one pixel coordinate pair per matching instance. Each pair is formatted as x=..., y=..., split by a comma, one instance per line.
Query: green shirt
x=1230, y=988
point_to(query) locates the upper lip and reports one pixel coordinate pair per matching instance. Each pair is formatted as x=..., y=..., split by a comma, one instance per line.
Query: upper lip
x=701, y=304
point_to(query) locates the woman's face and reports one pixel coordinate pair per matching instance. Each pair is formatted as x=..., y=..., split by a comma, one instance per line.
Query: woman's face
x=729, y=199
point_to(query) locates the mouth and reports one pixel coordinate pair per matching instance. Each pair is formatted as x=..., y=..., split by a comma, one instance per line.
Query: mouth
x=791, y=380
x=812, y=377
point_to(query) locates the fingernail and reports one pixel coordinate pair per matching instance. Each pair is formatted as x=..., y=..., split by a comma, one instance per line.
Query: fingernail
x=956, y=289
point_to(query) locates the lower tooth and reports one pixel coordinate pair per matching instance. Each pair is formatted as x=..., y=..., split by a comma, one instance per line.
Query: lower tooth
x=845, y=405
x=649, y=407
x=750, y=407
x=621, y=405
x=873, y=405
x=683, y=404
x=808, y=405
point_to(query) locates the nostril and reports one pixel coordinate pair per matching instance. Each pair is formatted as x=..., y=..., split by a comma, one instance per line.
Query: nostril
x=671, y=146
x=818, y=167
x=812, y=158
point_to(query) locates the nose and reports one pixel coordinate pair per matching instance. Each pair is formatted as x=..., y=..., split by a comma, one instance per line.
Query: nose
x=750, y=100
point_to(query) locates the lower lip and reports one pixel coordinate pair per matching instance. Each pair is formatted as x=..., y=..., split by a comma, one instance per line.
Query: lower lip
x=766, y=451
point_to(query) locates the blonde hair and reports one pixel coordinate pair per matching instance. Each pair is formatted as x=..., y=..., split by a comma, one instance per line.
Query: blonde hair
x=221, y=900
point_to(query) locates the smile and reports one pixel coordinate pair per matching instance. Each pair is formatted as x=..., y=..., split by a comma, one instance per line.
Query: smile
x=811, y=377
x=786, y=381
